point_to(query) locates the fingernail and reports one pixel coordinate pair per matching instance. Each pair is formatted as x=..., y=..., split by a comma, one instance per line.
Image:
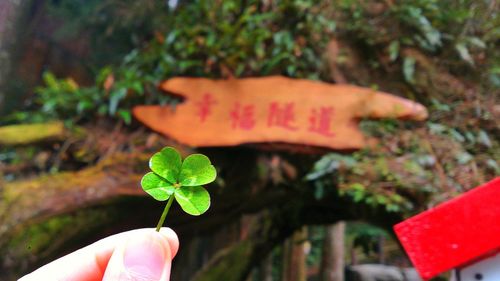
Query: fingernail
x=145, y=257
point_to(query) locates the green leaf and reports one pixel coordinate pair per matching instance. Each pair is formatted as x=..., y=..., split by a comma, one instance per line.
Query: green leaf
x=491, y=163
x=197, y=170
x=50, y=79
x=394, y=50
x=167, y=164
x=464, y=53
x=463, y=158
x=194, y=200
x=157, y=186
x=114, y=100
x=409, y=69
x=125, y=115
x=476, y=42
x=484, y=139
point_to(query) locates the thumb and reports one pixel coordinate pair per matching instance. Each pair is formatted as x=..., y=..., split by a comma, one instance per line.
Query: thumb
x=143, y=257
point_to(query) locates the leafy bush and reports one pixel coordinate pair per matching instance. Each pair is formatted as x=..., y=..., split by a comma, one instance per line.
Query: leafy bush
x=467, y=30
x=197, y=39
x=233, y=38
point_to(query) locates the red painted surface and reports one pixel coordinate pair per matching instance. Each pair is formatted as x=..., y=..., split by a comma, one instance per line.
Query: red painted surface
x=454, y=233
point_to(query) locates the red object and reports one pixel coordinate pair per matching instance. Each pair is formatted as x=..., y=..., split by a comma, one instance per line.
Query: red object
x=454, y=233
x=205, y=107
x=320, y=121
x=243, y=117
x=282, y=116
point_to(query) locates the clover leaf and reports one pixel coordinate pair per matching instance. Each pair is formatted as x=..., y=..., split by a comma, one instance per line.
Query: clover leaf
x=171, y=178
x=166, y=164
x=157, y=186
x=194, y=200
x=197, y=170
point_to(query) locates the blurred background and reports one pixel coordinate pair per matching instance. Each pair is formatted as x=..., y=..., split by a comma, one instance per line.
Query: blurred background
x=72, y=154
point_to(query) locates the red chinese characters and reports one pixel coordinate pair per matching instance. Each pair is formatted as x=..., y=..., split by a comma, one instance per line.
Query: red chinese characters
x=243, y=116
x=320, y=121
x=281, y=116
x=205, y=106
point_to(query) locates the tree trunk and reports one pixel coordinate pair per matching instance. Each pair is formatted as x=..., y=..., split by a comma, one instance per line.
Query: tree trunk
x=266, y=268
x=294, y=257
x=27, y=134
x=12, y=13
x=380, y=250
x=286, y=252
x=354, y=258
x=297, y=260
x=332, y=263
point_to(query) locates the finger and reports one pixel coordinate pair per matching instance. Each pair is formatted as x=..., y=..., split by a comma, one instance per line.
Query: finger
x=145, y=258
x=89, y=263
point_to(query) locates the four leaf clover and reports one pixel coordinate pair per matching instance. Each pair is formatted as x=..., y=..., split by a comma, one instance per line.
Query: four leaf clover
x=173, y=178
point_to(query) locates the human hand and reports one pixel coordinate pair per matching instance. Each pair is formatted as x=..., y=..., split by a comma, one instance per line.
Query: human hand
x=141, y=254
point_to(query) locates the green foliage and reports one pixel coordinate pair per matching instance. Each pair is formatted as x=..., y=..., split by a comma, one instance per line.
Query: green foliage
x=64, y=99
x=199, y=38
x=425, y=23
x=409, y=69
x=453, y=30
x=365, y=236
x=345, y=167
x=412, y=167
x=207, y=40
x=233, y=38
x=392, y=201
x=330, y=163
x=173, y=178
x=316, y=236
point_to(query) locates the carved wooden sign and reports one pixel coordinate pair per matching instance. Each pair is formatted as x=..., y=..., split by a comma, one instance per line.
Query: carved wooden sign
x=272, y=109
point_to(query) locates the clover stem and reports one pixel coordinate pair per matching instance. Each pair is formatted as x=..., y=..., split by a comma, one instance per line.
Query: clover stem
x=165, y=212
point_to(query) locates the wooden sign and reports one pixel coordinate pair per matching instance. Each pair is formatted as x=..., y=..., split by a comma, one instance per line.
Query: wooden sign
x=272, y=109
x=462, y=233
